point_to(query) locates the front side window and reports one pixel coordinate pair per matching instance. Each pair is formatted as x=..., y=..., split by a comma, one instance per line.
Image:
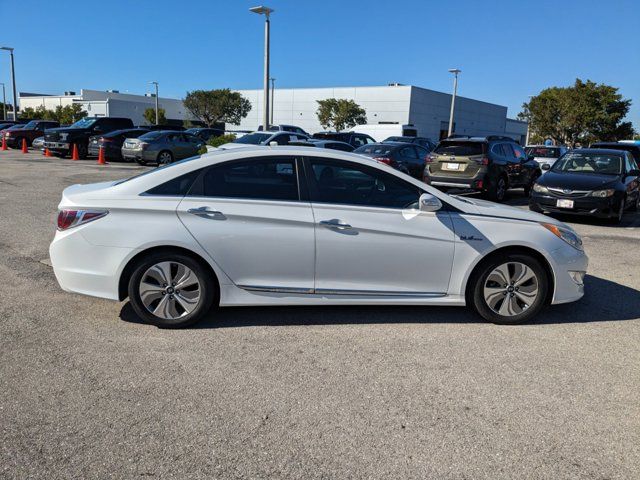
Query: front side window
x=273, y=178
x=336, y=181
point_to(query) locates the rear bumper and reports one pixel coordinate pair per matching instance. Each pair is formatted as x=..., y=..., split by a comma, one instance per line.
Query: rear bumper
x=589, y=206
x=109, y=153
x=475, y=183
x=135, y=155
x=82, y=267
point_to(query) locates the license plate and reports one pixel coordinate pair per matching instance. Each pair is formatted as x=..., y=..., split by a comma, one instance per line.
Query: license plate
x=564, y=203
x=452, y=166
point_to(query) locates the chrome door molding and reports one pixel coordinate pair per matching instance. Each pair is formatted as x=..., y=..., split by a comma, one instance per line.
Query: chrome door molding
x=327, y=291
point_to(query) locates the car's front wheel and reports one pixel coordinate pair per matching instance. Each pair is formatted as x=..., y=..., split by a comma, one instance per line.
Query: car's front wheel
x=509, y=289
x=171, y=290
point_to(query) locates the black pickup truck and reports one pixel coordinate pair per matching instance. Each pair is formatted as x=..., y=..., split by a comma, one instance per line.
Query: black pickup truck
x=60, y=141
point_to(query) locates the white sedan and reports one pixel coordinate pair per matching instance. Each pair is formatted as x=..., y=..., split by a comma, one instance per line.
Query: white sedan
x=292, y=226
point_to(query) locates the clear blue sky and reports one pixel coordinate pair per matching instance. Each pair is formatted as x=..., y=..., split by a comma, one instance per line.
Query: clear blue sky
x=506, y=49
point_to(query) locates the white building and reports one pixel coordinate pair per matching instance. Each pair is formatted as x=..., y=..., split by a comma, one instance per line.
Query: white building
x=110, y=103
x=427, y=110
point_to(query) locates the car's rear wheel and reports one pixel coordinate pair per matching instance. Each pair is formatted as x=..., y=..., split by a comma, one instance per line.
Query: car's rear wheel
x=498, y=190
x=509, y=289
x=171, y=290
x=165, y=157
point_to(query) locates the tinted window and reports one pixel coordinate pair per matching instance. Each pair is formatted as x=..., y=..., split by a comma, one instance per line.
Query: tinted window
x=544, y=152
x=376, y=149
x=253, y=138
x=273, y=178
x=408, y=152
x=460, y=148
x=177, y=186
x=335, y=181
x=508, y=151
x=151, y=136
x=519, y=152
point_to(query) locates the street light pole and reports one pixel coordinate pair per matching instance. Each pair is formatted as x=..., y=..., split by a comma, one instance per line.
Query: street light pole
x=156, y=84
x=266, y=11
x=4, y=103
x=13, y=82
x=528, y=125
x=455, y=72
x=273, y=92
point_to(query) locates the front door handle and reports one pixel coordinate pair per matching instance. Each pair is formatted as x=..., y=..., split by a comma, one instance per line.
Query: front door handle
x=338, y=224
x=206, y=212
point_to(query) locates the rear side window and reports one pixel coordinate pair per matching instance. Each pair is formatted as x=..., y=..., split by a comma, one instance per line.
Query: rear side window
x=460, y=148
x=272, y=178
x=178, y=186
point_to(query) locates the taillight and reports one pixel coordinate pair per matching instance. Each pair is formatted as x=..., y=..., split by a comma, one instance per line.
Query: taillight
x=385, y=160
x=143, y=145
x=73, y=218
x=428, y=159
x=105, y=140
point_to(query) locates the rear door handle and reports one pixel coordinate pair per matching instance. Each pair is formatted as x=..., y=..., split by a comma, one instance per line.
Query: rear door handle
x=206, y=212
x=338, y=224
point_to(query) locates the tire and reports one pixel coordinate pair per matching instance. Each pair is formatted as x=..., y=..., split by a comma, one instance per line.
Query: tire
x=141, y=162
x=165, y=157
x=617, y=218
x=636, y=206
x=518, y=302
x=169, y=306
x=499, y=190
x=83, y=150
x=528, y=188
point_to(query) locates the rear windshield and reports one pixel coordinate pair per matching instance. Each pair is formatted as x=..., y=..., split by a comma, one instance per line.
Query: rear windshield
x=254, y=138
x=327, y=136
x=589, y=163
x=543, y=152
x=375, y=149
x=151, y=135
x=460, y=148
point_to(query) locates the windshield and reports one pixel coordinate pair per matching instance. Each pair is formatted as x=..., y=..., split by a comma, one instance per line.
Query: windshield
x=151, y=135
x=31, y=125
x=600, y=163
x=255, y=138
x=460, y=148
x=543, y=152
x=84, y=123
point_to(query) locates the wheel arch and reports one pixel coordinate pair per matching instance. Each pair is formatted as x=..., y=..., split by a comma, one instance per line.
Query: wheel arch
x=507, y=250
x=125, y=276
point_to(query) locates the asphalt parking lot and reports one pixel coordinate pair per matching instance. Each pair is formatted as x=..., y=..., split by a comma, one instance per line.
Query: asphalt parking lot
x=87, y=391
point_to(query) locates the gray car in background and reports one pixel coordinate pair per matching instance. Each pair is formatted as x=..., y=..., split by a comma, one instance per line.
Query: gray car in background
x=161, y=147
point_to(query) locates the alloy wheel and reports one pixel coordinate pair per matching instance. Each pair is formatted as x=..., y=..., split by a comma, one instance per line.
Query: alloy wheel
x=501, y=188
x=511, y=288
x=170, y=290
x=165, y=158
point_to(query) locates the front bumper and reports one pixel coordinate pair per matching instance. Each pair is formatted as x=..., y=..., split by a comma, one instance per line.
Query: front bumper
x=57, y=147
x=567, y=259
x=590, y=206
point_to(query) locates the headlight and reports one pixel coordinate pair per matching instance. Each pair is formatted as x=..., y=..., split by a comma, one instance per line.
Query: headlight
x=540, y=189
x=603, y=193
x=565, y=234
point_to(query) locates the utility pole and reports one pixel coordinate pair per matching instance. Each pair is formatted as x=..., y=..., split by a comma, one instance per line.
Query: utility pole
x=273, y=90
x=13, y=82
x=156, y=84
x=455, y=72
x=266, y=11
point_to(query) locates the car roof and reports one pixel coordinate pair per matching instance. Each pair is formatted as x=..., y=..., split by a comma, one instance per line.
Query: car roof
x=617, y=145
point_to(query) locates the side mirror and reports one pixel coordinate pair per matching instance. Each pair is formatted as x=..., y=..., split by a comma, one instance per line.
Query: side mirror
x=273, y=144
x=545, y=166
x=429, y=203
x=634, y=173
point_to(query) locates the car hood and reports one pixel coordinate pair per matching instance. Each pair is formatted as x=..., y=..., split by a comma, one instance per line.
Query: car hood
x=498, y=210
x=577, y=181
x=65, y=130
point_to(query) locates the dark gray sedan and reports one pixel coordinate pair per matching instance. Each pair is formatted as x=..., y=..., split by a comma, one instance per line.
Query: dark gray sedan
x=161, y=147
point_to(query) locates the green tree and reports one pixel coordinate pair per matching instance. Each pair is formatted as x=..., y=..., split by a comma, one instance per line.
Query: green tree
x=213, y=106
x=339, y=113
x=221, y=140
x=582, y=113
x=150, y=116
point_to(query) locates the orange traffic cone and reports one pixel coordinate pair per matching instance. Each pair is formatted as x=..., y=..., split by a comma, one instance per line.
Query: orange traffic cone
x=74, y=155
x=47, y=153
x=101, y=160
x=4, y=143
x=25, y=149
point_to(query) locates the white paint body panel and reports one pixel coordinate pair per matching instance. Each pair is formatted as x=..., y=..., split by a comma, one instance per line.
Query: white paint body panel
x=281, y=244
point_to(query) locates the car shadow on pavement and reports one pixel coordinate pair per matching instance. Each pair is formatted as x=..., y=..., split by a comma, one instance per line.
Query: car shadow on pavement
x=604, y=301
